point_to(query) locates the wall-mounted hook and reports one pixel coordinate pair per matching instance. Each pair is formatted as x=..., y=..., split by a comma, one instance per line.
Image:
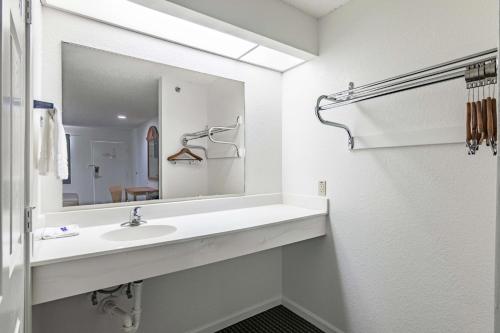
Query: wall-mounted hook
x=351, y=92
x=350, y=140
x=240, y=152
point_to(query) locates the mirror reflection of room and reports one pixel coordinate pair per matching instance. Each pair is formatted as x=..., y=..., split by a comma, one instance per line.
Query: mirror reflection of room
x=139, y=130
x=111, y=119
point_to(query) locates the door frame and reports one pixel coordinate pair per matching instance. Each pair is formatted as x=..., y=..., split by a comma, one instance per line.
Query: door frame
x=93, y=161
x=28, y=198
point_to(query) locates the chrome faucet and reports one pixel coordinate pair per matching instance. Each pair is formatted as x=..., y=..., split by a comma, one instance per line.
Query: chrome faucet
x=135, y=218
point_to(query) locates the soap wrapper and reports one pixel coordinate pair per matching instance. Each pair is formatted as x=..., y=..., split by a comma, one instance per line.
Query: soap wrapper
x=62, y=231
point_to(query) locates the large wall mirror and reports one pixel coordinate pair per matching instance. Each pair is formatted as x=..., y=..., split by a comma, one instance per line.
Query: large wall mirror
x=139, y=130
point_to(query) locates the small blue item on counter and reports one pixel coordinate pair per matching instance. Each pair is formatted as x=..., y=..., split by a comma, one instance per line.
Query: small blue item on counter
x=62, y=231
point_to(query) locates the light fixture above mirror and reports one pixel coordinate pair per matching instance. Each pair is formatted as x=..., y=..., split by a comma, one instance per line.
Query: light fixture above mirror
x=151, y=22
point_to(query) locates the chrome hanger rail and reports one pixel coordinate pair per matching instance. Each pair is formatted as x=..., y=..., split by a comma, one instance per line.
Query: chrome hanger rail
x=210, y=132
x=478, y=69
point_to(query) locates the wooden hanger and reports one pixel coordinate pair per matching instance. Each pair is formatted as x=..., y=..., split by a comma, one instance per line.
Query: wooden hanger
x=481, y=134
x=183, y=151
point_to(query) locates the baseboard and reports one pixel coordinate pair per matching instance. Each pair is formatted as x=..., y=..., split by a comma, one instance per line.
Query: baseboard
x=263, y=306
x=238, y=316
x=309, y=316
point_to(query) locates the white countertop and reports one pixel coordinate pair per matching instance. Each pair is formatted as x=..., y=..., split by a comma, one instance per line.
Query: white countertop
x=189, y=227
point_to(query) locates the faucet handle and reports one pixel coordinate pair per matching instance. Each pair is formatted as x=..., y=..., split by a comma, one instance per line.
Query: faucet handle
x=135, y=218
x=135, y=213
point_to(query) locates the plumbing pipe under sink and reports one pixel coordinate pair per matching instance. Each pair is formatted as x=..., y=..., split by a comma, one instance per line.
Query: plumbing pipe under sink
x=137, y=309
x=130, y=321
x=110, y=307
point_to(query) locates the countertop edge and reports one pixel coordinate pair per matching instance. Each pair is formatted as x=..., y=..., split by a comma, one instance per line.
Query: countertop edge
x=38, y=263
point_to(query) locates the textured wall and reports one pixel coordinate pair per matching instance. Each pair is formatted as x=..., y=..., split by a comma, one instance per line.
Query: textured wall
x=411, y=244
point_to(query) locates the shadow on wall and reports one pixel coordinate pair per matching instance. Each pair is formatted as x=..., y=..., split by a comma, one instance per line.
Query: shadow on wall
x=301, y=264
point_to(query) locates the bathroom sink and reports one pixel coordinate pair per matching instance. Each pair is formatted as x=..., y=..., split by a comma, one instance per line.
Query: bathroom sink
x=137, y=233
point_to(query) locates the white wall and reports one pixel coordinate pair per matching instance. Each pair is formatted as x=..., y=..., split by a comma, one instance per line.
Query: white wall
x=226, y=101
x=182, y=112
x=412, y=230
x=262, y=101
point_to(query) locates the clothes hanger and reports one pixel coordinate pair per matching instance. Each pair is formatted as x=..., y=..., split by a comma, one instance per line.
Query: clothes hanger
x=468, y=133
x=473, y=121
x=479, y=118
x=184, y=151
x=493, y=117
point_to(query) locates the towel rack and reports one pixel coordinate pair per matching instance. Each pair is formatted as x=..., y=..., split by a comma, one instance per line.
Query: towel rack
x=478, y=69
x=210, y=132
x=45, y=105
x=42, y=105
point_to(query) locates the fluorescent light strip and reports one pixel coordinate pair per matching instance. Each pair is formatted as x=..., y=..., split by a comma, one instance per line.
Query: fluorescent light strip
x=269, y=58
x=133, y=16
x=129, y=15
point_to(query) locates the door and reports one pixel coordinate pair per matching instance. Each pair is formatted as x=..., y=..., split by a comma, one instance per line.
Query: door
x=12, y=130
x=110, y=167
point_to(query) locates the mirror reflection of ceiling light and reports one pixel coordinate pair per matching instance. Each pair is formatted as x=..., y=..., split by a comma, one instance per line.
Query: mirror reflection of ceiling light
x=266, y=57
x=135, y=17
x=121, y=116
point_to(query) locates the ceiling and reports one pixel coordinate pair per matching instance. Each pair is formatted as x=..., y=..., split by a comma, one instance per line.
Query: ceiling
x=100, y=85
x=316, y=8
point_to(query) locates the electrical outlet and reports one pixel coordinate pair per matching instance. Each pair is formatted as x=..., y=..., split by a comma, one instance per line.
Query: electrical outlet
x=322, y=188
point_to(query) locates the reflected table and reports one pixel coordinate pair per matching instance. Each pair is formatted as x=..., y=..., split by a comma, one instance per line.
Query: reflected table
x=142, y=190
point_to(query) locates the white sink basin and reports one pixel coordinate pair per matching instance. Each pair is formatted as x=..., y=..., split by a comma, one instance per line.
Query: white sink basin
x=137, y=233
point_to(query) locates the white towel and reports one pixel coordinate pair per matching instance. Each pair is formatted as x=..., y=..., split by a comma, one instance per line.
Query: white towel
x=60, y=232
x=53, y=147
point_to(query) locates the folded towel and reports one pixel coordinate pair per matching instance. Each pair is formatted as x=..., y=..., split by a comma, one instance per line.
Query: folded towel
x=59, y=232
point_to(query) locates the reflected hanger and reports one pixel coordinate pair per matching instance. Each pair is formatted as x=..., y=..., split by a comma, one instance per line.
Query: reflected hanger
x=184, y=151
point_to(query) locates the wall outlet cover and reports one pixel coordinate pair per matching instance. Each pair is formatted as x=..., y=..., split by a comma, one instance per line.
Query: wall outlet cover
x=322, y=188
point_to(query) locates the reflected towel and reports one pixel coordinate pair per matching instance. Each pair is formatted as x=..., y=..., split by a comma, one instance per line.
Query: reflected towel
x=46, y=155
x=61, y=158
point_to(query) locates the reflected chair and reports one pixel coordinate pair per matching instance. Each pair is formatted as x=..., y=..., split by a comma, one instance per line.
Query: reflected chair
x=116, y=193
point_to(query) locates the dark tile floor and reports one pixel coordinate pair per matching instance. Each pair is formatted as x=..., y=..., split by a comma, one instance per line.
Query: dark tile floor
x=276, y=320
